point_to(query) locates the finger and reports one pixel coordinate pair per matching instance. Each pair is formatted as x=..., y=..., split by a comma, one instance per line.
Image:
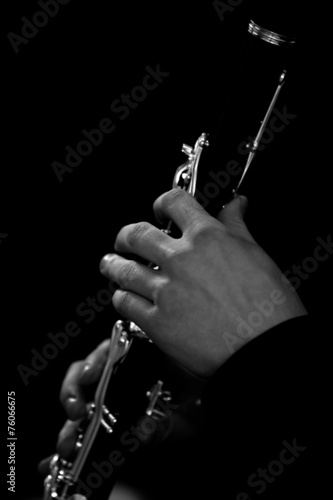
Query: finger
x=95, y=363
x=67, y=438
x=131, y=275
x=144, y=240
x=44, y=466
x=135, y=308
x=71, y=393
x=66, y=445
x=232, y=216
x=81, y=374
x=180, y=207
x=234, y=210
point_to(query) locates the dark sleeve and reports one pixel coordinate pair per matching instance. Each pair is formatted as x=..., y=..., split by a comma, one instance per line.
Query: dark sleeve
x=266, y=415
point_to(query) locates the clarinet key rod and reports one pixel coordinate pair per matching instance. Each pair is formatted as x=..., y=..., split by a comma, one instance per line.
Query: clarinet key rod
x=253, y=146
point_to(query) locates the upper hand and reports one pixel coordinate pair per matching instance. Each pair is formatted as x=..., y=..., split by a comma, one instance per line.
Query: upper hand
x=209, y=281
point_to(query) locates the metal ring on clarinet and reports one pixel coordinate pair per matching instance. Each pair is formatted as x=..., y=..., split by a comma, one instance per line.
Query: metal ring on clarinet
x=270, y=36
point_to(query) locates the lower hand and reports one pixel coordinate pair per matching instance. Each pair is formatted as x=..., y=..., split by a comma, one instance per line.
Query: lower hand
x=75, y=395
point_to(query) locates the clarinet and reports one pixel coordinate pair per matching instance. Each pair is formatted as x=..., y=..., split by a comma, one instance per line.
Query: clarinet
x=67, y=480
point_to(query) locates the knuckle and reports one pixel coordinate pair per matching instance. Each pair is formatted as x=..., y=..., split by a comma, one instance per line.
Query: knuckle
x=168, y=199
x=173, y=196
x=126, y=274
x=102, y=349
x=170, y=300
x=71, y=377
x=73, y=368
x=121, y=301
x=160, y=290
x=163, y=292
x=67, y=438
x=137, y=232
x=174, y=258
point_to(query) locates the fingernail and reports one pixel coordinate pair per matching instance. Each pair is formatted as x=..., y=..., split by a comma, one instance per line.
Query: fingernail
x=87, y=370
x=75, y=408
x=70, y=405
x=244, y=202
x=89, y=373
x=105, y=262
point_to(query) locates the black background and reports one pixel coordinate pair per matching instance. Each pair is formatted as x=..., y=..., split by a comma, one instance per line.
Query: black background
x=64, y=80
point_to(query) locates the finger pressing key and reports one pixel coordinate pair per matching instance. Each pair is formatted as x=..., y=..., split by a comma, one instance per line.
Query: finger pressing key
x=79, y=377
x=44, y=466
x=67, y=439
x=94, y=363
x=66, y=444
x=71, y=395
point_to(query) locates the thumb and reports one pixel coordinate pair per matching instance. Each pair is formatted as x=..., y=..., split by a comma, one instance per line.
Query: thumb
x=234, y=210
x=232, y=216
